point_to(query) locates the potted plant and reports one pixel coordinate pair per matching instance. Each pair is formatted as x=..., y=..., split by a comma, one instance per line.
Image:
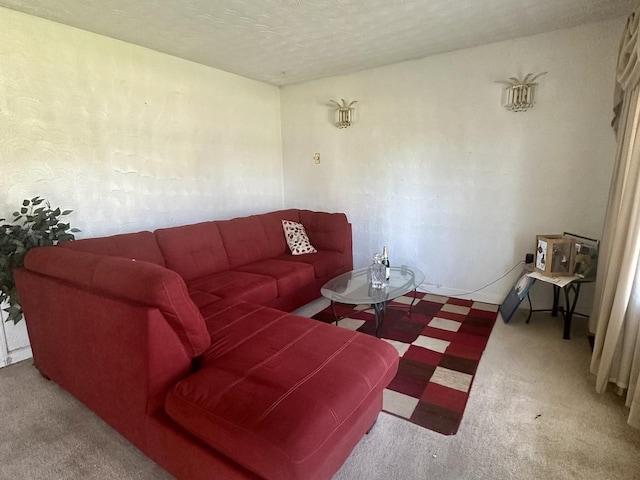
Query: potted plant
x=35, y=225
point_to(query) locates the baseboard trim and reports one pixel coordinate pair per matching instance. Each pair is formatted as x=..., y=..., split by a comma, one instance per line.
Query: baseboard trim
x=15, y=356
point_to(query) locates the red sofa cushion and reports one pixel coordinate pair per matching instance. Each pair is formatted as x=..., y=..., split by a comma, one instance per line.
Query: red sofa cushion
x=324, y=262
x=193, y=250
x=141, y=282
x=203, y=299
x=272, y=224
x=244, y=239
x=140, y=245
x=289, y=276
x=327, y=231
x=237, y=285
x=275, y=390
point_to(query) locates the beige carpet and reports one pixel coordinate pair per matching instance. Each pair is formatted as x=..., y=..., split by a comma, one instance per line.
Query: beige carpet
x=532, y=414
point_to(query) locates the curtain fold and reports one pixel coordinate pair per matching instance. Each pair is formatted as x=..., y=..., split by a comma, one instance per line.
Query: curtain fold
x=616, y=319
x=628, y=67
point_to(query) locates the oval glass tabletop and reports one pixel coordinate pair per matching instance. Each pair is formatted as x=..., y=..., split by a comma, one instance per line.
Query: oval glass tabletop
x=354, y=287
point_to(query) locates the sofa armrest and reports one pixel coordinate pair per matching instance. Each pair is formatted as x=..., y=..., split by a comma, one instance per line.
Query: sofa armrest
x=117, y=358
x=139, y=282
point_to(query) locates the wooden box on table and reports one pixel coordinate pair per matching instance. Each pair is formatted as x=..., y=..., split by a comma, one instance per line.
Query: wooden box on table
x=555, y=255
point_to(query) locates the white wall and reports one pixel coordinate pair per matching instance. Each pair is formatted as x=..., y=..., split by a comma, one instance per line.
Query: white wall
x=435, y=168
x=129, y=138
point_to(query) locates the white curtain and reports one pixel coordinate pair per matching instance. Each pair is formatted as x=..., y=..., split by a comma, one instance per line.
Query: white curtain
x=616, y=319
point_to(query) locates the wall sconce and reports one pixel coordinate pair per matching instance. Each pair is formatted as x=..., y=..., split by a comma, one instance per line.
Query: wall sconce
x=343, y=113
x=520, y=95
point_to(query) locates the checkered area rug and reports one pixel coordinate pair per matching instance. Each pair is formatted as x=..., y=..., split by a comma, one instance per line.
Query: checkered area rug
x=440, y=346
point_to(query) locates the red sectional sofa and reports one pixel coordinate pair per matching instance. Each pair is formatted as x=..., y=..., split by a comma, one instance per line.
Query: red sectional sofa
x=180, y=339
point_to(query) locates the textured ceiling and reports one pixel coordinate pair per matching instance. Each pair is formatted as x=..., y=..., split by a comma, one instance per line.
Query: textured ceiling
x=287, y=41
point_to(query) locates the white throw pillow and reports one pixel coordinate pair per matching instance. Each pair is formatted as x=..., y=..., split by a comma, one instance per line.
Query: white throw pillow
x=297, y=238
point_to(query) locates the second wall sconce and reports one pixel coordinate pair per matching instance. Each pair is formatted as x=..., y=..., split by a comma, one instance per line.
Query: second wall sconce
x=343, y=113
x=520, y=95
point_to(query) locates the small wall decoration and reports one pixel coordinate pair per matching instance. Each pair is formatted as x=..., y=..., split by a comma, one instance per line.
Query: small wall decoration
x=343, y=113
x=520, y=95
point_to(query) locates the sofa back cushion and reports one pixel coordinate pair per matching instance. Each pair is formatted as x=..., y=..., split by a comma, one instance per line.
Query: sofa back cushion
x=138, y=246
x=193, y=251
x=134, y=281
x=327, y=231
x=272, y=224
x=245, y=240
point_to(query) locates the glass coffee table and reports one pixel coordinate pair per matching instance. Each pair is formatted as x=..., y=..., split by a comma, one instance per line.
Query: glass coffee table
x=354, y=288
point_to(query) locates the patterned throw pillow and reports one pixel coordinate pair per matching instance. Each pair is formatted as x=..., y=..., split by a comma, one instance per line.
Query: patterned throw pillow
x=297, y=238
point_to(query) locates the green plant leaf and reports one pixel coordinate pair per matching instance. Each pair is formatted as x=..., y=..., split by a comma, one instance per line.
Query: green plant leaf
x=31, y=227
x=65, y=237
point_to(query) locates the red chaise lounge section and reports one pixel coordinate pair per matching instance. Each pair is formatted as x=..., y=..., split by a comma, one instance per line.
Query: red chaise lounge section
x=279, y=393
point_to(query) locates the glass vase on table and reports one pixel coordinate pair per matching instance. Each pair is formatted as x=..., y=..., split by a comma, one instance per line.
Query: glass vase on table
x=377, y=272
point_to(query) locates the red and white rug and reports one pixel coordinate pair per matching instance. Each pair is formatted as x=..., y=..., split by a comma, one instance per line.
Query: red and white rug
x=440, y=346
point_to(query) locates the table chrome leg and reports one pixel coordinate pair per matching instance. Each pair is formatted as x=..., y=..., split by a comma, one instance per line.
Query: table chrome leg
x=333, y=309
x=413, y=301
x=379, y=309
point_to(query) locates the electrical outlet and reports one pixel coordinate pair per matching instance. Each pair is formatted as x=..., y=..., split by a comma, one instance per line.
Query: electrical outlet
x=316, y=158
